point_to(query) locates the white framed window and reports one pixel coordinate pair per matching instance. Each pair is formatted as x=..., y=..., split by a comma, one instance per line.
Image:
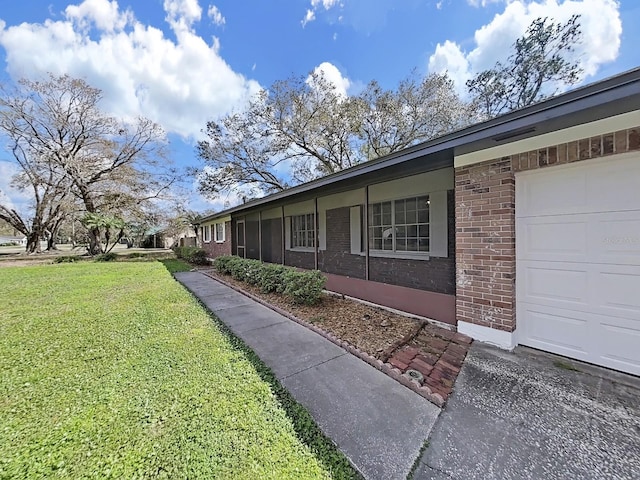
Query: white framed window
x=303, y=231
x=400, y=225
x=219, y=232
x=206, y=233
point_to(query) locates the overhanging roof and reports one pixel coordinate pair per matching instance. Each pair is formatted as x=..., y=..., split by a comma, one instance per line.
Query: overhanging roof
x=612, y=96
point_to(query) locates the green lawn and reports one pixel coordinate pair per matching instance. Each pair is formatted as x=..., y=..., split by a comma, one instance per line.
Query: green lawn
x=113, y=370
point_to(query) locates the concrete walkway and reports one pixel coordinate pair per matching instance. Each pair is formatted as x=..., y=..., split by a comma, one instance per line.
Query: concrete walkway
x=379, y=424
x=530, y=415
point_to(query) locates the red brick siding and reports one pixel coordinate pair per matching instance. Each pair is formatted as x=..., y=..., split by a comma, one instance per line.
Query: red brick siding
x=337, y=258
x=300, y=259
x=485, y=224
x=215, y=249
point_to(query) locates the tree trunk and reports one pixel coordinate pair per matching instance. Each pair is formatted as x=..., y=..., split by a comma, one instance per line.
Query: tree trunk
x=33, y=243
x=95, y=247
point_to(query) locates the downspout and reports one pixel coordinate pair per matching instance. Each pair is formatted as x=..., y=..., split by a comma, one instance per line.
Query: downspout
x=366, y=232
x=260, y=235
x=283, y=234
x=316, y=232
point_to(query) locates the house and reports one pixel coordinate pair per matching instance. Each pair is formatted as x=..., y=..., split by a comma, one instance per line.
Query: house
x=524, y=229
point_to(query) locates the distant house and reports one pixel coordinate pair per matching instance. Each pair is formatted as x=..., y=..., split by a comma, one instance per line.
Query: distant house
x=524, y=229
x=15, y=240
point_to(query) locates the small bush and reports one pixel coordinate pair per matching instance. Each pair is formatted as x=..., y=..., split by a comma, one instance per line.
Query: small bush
x=106, y=257
x=222, y=264
x=136, y=255
x=253, y=268
x=199, y=257
x=193, y=255
x=68, y=259
x=237, y=268
x=272, y=278
x=304, y=287
x=301, y=287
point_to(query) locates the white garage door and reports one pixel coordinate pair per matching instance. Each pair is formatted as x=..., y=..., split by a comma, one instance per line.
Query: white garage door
x=578, y=261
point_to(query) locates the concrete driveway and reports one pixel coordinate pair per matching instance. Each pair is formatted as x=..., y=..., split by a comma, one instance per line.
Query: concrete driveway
x=526, y=414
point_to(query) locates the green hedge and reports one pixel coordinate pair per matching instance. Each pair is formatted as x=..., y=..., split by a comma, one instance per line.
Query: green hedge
x=193, y=255
x=300, y=287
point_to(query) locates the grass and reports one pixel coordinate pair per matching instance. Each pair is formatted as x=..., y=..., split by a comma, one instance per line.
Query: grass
x=113, y=370
x=565, y=365
x=174, y=265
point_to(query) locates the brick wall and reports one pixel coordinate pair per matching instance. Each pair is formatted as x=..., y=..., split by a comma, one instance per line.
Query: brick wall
x=304, y=260
x=485, y=224
x=337, y=258
x=215, y=249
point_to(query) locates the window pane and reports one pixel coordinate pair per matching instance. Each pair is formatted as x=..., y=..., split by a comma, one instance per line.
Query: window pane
x=387, y=244
x=424, y=244
x=386, y=219
x=412, y=244
x=423, y=215
x=376, y=244
x=401, y=244
x=401, y=232
x=310, y=239
x=423, y=231
x=386, y=208
x=412, y=231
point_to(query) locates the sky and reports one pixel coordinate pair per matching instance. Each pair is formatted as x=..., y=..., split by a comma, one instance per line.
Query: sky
x=184, y=62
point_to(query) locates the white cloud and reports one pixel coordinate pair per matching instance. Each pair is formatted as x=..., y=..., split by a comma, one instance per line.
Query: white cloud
x=215, y=15
x=181, y=14
x=482, y=3
x=600, y=24
x=333, y=75
x=309, y=17
x=178, y=83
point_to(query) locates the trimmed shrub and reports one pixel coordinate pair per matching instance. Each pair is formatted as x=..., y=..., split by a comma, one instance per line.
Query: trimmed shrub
x=199, y=257
x=272, y=278
x=304, y=287
x=68, y=259
x=301, y=287
x=192, y=255
x=222, y=264
x=237, y=268
x=253, y=268
x=107, y=257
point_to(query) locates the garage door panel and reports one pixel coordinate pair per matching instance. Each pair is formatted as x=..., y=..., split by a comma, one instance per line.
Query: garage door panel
x=618, y=292
x=562, y=193
x=609, y=190
x=546, y=283
x=578, y=261
x=554, y=238
x=616, y=238
x=618, y=347
x=565, y=332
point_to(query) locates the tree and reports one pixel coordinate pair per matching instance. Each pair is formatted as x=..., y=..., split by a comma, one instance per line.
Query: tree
x=48, y=193
x=305, y=128
x=419, y=110
x=538, y=68
x=108, y=165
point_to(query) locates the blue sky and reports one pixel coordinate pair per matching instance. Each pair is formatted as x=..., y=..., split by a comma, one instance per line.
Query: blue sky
x=182, y=62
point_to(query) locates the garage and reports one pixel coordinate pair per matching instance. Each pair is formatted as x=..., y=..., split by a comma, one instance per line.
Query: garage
x=578, y=261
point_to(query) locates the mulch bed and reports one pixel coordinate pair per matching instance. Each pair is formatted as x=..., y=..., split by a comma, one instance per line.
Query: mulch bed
x=420, y=355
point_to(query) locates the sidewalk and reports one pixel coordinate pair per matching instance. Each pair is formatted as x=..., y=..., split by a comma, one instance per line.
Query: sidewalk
x=379, y=424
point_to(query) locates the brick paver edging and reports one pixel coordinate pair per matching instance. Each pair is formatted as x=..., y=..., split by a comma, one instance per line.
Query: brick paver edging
x=385, y=368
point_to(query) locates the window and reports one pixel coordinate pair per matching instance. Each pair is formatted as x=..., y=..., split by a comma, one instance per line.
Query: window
x=219, y=232
x=206, y=233
x=400, y=225
x=303, y=231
